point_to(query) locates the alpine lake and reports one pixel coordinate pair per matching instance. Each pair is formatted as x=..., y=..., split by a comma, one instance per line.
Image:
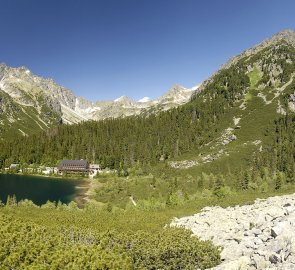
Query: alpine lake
x=42, y=189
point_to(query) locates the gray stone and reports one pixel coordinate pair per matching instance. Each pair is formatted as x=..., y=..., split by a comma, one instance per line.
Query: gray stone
x=258, y=241
x=260, y=262
x=276, y=247
x=274, y=258
x=243, y=262
x=270, y=244
x=288, y=266
x=256, y=231
x=280, y=228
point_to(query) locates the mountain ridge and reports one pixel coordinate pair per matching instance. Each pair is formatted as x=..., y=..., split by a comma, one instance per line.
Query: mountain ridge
x=287, y=35
x=26, y=90
x=27, y=98
x=235, y=137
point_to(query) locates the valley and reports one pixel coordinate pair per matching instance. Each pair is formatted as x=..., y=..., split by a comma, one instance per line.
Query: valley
x=224, y=143
x=31, y=103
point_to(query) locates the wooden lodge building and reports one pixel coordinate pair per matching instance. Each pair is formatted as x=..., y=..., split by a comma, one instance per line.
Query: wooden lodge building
x=73, y=166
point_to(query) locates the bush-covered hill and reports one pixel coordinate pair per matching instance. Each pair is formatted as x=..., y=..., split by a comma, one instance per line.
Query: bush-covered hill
x=232, y=142
x=235, y=134
x=65, y=237
x=236, y=108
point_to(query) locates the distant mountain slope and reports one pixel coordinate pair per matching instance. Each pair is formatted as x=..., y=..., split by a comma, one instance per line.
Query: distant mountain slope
x=225, y=123
x=286, y=35
x=250, y=124
x=23, y=105
x=30, y=103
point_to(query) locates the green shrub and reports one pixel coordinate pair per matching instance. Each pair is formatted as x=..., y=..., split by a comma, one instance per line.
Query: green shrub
x=26, y=245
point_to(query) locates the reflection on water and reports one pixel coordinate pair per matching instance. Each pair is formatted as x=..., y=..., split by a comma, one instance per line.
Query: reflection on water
x=38, y=189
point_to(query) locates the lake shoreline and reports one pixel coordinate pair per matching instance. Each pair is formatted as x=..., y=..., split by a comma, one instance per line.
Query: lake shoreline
x=37, y=187
x=83, y=196
x=46, y=176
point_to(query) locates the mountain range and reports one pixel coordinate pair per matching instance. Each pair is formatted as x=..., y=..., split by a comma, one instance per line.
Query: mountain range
x=236, y=133
x=29, y=102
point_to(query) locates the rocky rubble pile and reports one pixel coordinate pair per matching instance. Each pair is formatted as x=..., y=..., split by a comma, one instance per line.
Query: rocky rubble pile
x=185, y=164
x=257, y=236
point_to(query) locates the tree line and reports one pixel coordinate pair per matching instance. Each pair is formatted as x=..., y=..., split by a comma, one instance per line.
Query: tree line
x=116, y=143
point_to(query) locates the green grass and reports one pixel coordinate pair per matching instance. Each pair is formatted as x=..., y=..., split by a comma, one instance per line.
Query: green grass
x=248, y=97
x=92, y=218
x=255, y=76
x=64, y=235
x=254, y=121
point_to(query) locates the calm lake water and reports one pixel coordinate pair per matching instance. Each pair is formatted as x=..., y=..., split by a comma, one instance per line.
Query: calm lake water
x=38, y=189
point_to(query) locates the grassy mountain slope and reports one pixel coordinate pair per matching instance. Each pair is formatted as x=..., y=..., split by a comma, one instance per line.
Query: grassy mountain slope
x=220, y=131
x=23, y=119
x=234, y=141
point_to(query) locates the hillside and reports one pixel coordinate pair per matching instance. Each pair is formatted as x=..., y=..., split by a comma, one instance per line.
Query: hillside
x=225, y=136
x=258, y=83
x=30, y=103
x=232, y=142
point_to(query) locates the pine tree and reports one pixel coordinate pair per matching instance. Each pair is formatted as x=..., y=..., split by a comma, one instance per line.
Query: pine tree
x=11, y=201
x=245, y=180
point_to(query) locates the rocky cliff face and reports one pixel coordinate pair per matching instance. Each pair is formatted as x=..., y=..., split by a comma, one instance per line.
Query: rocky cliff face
x=29, y=90
x=26, y=102
x=257, y=236
x=125, y=106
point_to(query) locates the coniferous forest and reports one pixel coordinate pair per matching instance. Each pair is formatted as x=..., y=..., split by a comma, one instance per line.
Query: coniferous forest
x=231, y=143
x=115, y=142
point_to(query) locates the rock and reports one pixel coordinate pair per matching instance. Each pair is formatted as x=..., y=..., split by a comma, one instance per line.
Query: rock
x=288, y=266
x=292, y=251
x=260, y=262
x=290, y=209
x=287, y=204
x=243, y=262
x=276, y=247
x=257, y=236
x=278, y=229
x=256, y=231
x=274, y=258
x=258, y=241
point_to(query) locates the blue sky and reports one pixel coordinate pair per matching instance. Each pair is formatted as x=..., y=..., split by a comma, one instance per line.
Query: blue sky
x=103, y=49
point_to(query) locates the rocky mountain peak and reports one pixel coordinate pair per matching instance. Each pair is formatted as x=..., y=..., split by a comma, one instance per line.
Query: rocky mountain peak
x=124, y=99
x=27, y=89
x=24, y=69
x=176, y=88
x=287, y=35
x=144, y=99
x=177, y=94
